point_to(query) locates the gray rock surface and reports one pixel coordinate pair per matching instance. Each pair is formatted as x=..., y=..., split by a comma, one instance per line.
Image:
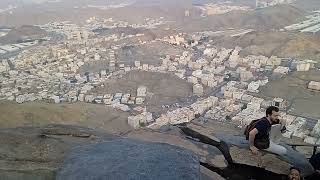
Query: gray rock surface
x=130, y=159
x=208, y=154
x=240, y=153
x=35, y=153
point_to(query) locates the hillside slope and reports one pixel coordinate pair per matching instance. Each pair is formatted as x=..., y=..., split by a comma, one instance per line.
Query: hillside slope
x=23, y=33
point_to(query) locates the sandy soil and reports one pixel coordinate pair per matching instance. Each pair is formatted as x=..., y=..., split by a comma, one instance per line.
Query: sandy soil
x=294, y=88
x=149, y=53
x=162, y=88
x=39, y=113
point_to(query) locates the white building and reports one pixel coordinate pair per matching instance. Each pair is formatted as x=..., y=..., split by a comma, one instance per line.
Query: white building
x=254, y=86
x=313, y=85
x=142, y=91
x=198, y=90
x=279, y=102
x=281, y=70
x=303, y=66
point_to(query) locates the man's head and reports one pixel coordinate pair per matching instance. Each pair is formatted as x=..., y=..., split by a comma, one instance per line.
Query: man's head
x=272, y=113
x=295, y=173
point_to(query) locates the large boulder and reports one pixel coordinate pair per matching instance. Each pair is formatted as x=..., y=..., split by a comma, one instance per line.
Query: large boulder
x=264, y=160
x=235, y=149
x=208, y=153
x=32, y=153
x=130, y=159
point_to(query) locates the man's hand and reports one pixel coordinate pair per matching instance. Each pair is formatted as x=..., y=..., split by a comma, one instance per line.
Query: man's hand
x=254, y=150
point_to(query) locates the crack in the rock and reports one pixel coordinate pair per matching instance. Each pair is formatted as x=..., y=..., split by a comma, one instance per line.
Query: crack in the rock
x=222, y=146
x=80, y=135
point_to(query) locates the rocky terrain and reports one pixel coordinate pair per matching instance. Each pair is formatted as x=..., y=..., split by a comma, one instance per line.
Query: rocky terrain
x=304, y=101
x=186, y=151
x=268, y=43
x=125, y=158
x=79, y=139
x=87, y=115
x=23, y=33
x=36, y=153
x=164, y=89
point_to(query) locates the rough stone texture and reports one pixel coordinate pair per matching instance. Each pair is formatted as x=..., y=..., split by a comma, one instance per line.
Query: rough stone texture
x=204, y=131
x=236, y=150
x=316, y=130
x=207, y=174
x=207, y=153
x=205, y=135
x=240, y=153
x=264, y=160
x=37, y=152
x=130, y=159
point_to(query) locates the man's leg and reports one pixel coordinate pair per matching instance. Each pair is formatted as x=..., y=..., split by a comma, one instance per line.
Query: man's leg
x=277, y=149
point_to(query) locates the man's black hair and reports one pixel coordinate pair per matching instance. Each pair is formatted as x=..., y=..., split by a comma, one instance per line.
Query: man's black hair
x=270, y=109
x=295, y=168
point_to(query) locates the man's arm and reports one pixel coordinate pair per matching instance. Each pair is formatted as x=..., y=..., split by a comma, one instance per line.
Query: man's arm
x=252, y=136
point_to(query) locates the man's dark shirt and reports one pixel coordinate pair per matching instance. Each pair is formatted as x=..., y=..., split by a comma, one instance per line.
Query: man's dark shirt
x=315, y=161
x=263, y=127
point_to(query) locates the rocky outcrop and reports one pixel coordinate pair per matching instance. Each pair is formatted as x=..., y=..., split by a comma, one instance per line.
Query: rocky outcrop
x=130, y=159
x=280, y=164
x=236, y=150
x=31, y=153
x=264, y=160
x=172, y=135
x=231, y=149
x=36, y=153
x=204, y=135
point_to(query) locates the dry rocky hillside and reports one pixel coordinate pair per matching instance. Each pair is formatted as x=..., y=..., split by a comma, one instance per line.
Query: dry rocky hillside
x=87, y=115
x=59, y=151
x=262, y=19
x=23, y=33
x=268, y=43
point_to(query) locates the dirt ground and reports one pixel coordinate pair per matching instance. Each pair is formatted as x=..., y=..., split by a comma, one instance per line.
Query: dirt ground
x=305, y=102
x=149, y=53
x=39, y=113
x=163, y=89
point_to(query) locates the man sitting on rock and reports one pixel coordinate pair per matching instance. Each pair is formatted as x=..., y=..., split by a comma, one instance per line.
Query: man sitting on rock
x=259, y=136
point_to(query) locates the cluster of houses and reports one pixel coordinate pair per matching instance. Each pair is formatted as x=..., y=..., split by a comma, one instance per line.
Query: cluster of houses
x=182, y=115
x=237, y=98
x=56, y=74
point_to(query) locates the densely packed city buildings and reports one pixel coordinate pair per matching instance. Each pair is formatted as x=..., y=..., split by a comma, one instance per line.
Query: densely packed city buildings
x=53, y=74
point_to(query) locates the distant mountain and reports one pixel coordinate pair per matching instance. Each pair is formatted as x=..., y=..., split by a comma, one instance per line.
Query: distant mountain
x=272, y=17
x=268, y=43
x=309, y=5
